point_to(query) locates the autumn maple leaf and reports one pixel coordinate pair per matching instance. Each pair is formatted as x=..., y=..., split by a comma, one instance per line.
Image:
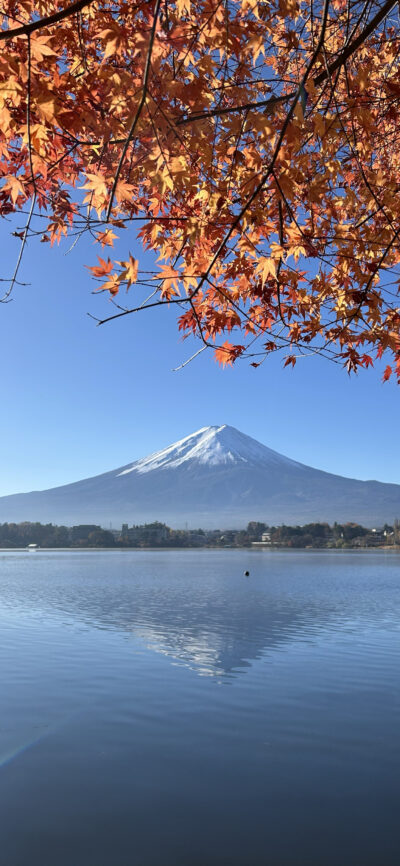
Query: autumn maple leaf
x=111, y=285
x=102, y=269
x=96, y=183
x=130, y=270
x=170, y=285
x=224, y=354
x=40, y=48
x=266, y=268
x=106, y=238
x=387, y=374
x=47, y=105
x=14, y=186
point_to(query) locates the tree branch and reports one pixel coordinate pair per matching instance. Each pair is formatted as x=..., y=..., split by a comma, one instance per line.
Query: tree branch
x=26, y=29
x=352, y=47
x=347, y=52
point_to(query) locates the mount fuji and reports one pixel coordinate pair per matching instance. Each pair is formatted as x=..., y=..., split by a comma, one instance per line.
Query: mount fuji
x=215, y=478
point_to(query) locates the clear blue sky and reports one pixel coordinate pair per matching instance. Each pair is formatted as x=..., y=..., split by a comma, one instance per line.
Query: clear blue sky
x=77, y=400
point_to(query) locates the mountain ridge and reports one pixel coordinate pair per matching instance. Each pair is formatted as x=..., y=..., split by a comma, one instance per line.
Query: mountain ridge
x=215, y=477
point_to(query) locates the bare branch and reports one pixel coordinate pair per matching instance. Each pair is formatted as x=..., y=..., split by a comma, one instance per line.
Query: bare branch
x=13, y=281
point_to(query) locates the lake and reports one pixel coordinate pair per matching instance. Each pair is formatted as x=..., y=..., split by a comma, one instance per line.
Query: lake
x=159, y=708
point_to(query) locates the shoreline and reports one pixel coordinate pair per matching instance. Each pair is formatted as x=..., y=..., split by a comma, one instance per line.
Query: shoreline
x=271, y=549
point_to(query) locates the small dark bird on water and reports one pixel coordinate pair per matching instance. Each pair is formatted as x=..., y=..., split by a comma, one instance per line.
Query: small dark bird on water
x=246, y=574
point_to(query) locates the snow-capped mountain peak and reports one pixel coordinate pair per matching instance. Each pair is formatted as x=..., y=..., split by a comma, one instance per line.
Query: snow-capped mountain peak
x=215, y=478
x=210, y=446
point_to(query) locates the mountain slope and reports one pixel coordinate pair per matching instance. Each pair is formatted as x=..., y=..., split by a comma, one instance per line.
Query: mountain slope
x=216, y=477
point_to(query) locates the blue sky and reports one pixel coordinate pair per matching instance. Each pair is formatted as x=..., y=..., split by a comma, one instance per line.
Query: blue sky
x=77, y=400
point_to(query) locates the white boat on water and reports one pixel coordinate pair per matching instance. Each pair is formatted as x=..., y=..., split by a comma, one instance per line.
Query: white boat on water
x=33, y=547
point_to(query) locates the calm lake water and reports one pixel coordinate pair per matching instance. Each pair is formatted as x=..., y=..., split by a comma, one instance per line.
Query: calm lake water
x=161, y=709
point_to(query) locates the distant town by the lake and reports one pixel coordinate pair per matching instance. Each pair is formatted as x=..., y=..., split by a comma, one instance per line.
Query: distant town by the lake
x=256, y=535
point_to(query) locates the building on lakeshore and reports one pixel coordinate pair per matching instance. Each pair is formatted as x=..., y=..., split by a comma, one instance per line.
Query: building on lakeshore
x=265, y=541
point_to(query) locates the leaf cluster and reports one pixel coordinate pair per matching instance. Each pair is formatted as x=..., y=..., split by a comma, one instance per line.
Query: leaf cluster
x=251, y=145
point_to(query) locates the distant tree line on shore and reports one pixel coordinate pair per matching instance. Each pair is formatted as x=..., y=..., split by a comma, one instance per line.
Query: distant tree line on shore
x=311, y=535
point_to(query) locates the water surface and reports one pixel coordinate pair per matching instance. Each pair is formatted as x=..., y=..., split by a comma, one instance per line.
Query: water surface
x=161, y=709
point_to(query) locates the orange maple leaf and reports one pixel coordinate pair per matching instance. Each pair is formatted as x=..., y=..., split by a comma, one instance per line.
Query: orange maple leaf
x=111, y=285
x=15, y=186
x=223, y=354
x=106, y=238
x=170, y=285
x=102, y=269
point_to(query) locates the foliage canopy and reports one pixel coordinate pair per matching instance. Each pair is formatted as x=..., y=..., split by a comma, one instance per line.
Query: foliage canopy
x=252, y=145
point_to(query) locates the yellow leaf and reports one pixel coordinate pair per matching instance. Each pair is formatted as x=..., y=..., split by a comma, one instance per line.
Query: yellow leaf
x=183, y=7
x=96, y=183
x=167, y=179
x=46, y=105
x=130, y=272
x=266, y=268
x=40, y=48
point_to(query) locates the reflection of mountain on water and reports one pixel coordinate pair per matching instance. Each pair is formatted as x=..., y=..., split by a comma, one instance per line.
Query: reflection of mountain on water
x=198, y=610
x=219, y=640
x=203, y=652
x=213, y=635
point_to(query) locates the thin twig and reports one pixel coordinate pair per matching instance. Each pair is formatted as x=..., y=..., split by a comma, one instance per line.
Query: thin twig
x=6, y=297
x=181, y=366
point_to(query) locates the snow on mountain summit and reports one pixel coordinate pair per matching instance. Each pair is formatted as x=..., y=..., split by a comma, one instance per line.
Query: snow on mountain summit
x=210, y=446
x=216, y=477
